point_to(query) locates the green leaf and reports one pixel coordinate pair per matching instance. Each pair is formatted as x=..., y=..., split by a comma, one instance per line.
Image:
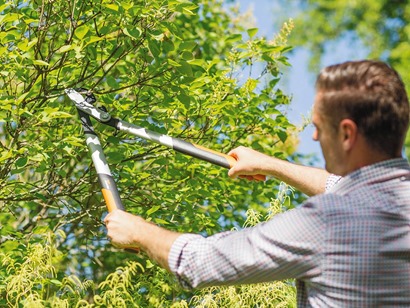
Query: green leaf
x=93, y=39
x=154, y=48
x=32, y=43
x=21, y=98
x=10, y=245
x=187, y=55
x=234, y=38
x=4, y=6
x=8, y=18
x=152, y=210
x=272, y=48
x=198, y=62
x=81, y=32
x=282, y=135
x=187, y=11
x=26, y=46
x=184, y=68
x=132, y=32
x=65, y=48
x=4, y=155
x=56, y=282
x=21, y=162
x=252, y=32
x=188, y=45
x=41, y=229
x=112, y=6
x=185, y=99
x=40, y=62
x=221, y=209
x=112, y=83
x=173, y=63
x=161, y=221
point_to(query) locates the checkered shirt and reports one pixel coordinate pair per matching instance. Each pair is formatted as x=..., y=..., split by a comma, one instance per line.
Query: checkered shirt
x=349, y=247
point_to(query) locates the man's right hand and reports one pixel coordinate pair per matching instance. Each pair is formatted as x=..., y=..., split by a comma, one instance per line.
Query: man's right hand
x=249, y=165
x=253, y=165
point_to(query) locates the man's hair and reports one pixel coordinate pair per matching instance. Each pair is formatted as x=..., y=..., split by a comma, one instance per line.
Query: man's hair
x=371, y=94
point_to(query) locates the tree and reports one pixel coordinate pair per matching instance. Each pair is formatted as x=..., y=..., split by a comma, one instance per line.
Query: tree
x=184, y=68
x=380, y=26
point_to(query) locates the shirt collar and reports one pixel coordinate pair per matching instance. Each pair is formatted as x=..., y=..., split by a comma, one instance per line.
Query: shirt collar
x=372, y=174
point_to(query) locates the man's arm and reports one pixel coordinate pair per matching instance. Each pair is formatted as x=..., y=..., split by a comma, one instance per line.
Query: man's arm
x=252, y=164
x=287, y=246
x=133, y=232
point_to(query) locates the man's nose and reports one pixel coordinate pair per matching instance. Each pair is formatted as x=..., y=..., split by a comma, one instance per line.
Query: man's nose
x=314, y=135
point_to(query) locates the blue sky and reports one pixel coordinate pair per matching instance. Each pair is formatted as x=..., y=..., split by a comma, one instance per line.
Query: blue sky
x=298, y=81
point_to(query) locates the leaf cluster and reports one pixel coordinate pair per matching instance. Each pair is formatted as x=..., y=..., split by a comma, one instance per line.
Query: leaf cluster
x=183, y=68
x=31, y=275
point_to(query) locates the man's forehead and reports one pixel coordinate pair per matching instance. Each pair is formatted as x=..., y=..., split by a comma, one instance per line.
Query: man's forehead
x=316, y=104
x=318, y=116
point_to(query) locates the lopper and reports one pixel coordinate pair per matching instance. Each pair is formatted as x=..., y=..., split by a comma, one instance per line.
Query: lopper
x=86, y=109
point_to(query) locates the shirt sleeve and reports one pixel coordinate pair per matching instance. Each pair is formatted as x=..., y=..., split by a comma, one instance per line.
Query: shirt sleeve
x=331, y=181
x=287, y=246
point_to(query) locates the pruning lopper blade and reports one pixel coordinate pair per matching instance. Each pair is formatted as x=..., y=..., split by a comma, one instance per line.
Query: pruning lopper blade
x=85, y=104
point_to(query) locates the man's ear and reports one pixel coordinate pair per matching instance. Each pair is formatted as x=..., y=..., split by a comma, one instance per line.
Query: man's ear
x=348, y=133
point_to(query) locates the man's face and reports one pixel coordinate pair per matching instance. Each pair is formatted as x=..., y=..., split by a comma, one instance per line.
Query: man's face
x=329, y=139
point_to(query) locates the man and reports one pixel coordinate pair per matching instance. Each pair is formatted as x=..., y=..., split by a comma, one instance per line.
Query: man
x=348, y=247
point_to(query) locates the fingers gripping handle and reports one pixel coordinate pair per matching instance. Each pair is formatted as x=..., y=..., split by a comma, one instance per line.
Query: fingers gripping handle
x=209, y=155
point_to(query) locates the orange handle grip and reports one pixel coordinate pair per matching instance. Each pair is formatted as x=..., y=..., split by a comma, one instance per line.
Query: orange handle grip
x=230, y=161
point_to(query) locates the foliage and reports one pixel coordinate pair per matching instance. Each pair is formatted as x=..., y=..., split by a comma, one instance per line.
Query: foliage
x=185, y=68
x=381, y=26
x=31, y=276
x=279, y=294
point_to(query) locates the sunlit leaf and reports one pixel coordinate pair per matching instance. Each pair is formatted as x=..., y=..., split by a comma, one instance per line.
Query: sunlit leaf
x=133, y=32
x=41, y=63
x=252, y=32
x=66, y=48
x=81, y=32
